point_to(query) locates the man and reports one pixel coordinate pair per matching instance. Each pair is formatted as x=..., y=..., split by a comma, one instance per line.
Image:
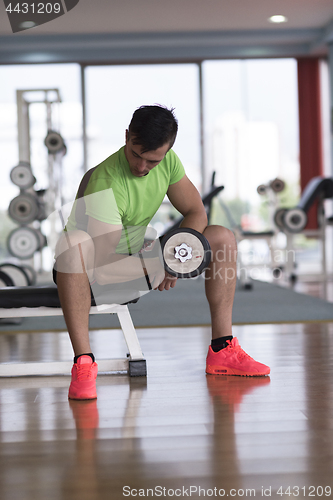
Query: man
x=121, y=195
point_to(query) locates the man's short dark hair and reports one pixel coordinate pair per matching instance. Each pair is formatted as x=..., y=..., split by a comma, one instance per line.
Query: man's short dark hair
x=153, y=126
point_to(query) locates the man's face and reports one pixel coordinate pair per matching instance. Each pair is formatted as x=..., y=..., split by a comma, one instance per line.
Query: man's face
x=142, y=163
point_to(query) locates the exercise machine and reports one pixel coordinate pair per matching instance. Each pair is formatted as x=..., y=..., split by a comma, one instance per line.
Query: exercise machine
x=30, y=207
x=271, y=189
x=293, y=221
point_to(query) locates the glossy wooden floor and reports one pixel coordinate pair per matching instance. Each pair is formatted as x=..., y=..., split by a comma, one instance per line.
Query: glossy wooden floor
x=177, y=429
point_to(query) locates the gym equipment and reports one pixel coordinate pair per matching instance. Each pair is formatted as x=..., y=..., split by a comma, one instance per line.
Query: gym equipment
x=31, y=206
x=16, y=272
x=43, y=301
x=295, y=219
x=262, y=189
x=277, y=185
x=270, y=190
x=42, y=214
x=5, y=279
x=24, y=209
x=54, y=142
x=186, y=253
x=278, y=217
x=23, y=242
x=31, y=273
x=22, y=175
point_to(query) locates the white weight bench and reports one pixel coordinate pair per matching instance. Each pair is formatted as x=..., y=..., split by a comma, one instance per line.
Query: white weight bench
x=34, y=301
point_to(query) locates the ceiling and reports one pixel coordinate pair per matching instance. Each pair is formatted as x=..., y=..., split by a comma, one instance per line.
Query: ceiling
x=126, y=16
x=176, y=29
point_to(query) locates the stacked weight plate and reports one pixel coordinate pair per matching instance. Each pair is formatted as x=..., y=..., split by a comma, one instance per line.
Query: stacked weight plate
x=24, y=209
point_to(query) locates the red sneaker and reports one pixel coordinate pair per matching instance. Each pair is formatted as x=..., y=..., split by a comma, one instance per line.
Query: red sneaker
x=83, y=384
x=232, y=360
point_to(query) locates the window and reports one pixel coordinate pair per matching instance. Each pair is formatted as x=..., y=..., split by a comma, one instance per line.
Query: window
x=66, y=119
x=251, y=131
x=114, y=92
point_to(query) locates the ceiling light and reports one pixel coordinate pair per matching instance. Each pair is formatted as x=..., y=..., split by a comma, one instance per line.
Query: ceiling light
x=27, y=24
x=277, y=19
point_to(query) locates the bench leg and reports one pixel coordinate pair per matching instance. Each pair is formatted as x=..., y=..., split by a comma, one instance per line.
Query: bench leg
x=137, y=366
x=130, y=335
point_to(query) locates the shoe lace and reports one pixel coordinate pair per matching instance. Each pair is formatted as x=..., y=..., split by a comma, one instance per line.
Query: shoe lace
x=241, y=354
x=84, y=372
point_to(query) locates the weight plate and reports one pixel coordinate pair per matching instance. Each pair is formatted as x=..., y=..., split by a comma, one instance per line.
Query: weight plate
x=54, y=142
x=261, y=189
x=278, y=217
x=200, y=253
x=16, y=273
x=24, y=208
x=22, y=176
x=23, y=242
x=31, y=274
x=294, y=220
x=42, y=239
x=42, y=211
x=277, y=185
x=7, y=280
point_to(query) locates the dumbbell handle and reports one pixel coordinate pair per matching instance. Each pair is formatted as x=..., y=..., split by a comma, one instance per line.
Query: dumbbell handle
x=179, y=258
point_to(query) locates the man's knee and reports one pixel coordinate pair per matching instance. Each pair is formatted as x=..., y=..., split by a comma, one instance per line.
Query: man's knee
x=222, y=241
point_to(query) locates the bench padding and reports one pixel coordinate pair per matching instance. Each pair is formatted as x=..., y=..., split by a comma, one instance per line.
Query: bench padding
x=47, y=296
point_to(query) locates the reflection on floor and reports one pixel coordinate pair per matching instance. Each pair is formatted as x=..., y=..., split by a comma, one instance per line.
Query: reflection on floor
x=179, y=429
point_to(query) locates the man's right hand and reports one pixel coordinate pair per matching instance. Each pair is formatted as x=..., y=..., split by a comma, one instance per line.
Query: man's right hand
x=167, y=283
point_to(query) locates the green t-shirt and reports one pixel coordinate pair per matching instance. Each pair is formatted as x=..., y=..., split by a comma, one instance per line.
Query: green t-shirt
x=115, y=196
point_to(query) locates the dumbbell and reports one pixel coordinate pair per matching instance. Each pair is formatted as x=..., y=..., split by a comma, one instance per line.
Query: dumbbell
x=186, y=253
x=276, y=185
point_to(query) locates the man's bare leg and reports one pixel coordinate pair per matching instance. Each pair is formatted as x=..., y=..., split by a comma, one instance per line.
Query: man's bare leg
x=72, y=266
x=75, y=300
x=225, y=356
x=220, y=279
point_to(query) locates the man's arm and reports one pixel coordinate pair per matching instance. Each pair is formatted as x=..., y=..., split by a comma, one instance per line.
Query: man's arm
x=185, y=197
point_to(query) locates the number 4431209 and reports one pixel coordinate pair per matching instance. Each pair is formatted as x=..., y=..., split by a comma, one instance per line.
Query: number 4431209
x=34, y=8
x=305, y=491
